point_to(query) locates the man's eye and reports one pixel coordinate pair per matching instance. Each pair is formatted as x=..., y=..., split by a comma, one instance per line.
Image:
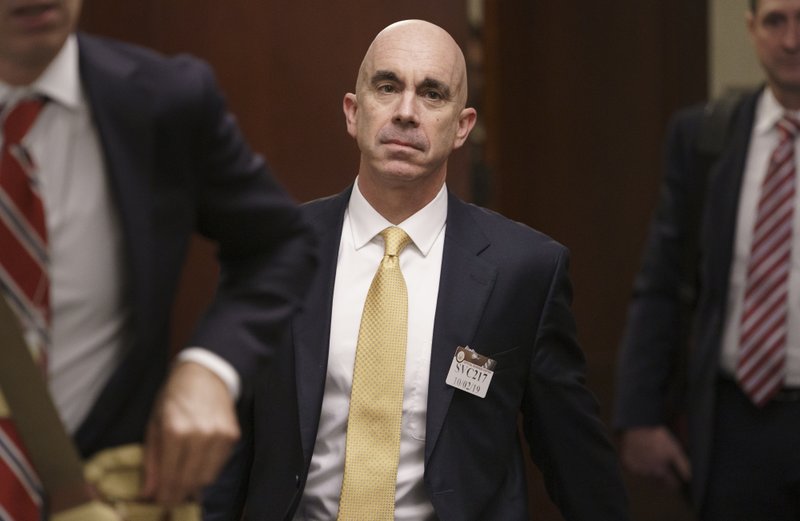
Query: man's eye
x=773, y=20
x=433, y=95
x=386, y=88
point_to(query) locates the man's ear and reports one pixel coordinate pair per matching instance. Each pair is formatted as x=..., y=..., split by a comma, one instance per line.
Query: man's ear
x=466, y=121
x=350, y=107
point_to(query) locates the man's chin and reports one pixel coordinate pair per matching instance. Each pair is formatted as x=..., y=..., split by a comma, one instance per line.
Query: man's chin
x=401, y=154
x=400, y=167
x=401, y=175
x=23, y=63
x=402, y=178
x=787, y=79
x=39, y=48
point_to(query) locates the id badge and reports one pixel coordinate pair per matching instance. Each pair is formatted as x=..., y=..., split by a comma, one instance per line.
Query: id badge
x=471, y=372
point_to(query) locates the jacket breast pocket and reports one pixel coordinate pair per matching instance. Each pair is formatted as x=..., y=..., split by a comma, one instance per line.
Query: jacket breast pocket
x=507, y=359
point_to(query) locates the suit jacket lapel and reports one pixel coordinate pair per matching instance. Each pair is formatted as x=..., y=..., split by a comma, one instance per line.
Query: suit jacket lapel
x=311, y=328
x=123, y=114
x=464, y=288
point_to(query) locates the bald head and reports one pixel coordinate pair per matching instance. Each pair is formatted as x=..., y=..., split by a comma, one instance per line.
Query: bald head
x=422, y=42
x=408, y=114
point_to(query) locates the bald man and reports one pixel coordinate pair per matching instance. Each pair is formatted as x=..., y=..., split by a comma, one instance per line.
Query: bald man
x=486, y=333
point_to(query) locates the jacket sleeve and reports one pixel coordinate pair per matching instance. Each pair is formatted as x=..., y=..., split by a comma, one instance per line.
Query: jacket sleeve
x=651, y=342
x=567, y=439
x=265, y=248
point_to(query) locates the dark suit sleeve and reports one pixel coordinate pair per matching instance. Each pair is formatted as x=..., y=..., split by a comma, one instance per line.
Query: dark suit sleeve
x=651, y=341
x=264, y=246
x=224, y=500
x=568, y=442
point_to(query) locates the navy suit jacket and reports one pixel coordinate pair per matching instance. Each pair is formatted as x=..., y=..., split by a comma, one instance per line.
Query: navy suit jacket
x=650, y=346
x=177, y=164
x=504, y=291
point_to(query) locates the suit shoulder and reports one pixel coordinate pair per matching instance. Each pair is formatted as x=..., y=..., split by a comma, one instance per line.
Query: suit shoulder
x=325, y=211
x=688, y=116
x=738, y=105
x=322, y=204
x=146, y=63
x=691, y=113
x=509, y=234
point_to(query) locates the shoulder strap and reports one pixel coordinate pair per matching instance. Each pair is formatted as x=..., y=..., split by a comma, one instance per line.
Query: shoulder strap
x=713, y=137
x=716, y=125
x=50, y=447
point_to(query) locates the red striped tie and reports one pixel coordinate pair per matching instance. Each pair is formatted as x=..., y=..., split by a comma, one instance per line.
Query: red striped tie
x=764, y=322
x=25, y=284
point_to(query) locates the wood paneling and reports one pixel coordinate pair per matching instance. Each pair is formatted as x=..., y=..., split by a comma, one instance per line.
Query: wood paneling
x=577, y=98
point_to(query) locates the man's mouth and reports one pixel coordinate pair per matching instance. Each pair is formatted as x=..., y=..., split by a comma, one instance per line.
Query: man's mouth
x=403, y=141
x=34, y=14
x=400, y=143
x=31, y=8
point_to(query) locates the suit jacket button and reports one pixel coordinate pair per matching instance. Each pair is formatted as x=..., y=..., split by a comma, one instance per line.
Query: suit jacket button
x=297, y=480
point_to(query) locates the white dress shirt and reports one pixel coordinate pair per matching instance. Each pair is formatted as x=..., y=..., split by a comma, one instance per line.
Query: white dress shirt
x=763, y=140
x=90, y=314
x=360, y=252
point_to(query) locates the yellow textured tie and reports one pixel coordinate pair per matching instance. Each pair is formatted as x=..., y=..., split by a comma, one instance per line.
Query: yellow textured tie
x=376, y=400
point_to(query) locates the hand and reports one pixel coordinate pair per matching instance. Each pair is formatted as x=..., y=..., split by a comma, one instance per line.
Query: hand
x=190, y=435
x=653, y=452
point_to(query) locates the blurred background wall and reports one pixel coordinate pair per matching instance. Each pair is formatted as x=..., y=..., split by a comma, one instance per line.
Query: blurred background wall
x=573, y=98
x=732, y=60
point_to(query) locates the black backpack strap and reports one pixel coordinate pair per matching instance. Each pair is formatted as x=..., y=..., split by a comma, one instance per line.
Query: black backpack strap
x=712, y=139
x=716, y=125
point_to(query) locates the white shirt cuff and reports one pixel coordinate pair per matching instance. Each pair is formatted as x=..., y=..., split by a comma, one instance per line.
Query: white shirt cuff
x=214, y=363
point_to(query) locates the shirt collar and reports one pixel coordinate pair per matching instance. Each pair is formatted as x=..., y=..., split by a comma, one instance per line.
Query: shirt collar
x=769, y=111
x=60, y=81
x=423, y=227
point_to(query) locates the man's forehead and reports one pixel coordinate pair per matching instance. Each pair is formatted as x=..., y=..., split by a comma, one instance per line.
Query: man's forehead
x=415, y=68
x=415, y=76
x=415, y=53
x=765, y=6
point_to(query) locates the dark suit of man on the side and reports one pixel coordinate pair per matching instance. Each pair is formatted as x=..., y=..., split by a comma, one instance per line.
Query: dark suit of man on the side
x=475, y=279
x=742, y=390
x=136, y=152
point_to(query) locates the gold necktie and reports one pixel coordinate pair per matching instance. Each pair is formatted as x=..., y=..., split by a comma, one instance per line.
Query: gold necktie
x=376, y=399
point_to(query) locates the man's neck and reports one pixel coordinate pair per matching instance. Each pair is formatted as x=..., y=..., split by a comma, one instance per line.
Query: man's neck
x=397, y=203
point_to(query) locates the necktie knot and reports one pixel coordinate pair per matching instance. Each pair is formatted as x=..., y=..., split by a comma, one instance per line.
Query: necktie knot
x=395, y=240
x=20, y=119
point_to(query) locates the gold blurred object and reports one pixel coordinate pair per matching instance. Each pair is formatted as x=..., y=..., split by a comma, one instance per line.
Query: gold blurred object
x=4, y=410
x=92, y=511
x=116, y=475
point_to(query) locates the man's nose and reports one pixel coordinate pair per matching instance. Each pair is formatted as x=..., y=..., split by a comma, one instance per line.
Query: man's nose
x=791, y=37
x=406, y=111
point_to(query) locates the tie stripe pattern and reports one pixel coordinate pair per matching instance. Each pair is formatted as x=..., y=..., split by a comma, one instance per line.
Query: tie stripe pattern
x=23, y=230
x=764, y=321
x=24, y=282
x=21, y=492
x=376, y=400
